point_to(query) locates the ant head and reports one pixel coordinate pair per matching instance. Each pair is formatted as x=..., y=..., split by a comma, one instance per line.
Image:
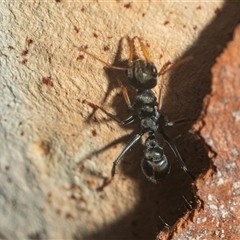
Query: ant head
x=142, y=74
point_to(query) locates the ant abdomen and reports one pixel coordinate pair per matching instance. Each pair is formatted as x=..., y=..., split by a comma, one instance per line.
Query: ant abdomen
x=155, y=164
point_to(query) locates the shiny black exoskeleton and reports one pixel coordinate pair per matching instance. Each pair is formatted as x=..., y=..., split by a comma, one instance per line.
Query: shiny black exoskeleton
x=155, y=165
x=143, y=75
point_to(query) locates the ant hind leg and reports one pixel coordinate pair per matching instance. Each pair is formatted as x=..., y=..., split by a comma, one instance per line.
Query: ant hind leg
x=177, y=154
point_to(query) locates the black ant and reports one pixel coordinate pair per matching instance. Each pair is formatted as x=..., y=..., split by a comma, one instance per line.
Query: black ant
x=142, y=75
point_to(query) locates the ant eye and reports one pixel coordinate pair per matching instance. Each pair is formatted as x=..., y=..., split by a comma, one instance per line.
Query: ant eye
x=153, y=70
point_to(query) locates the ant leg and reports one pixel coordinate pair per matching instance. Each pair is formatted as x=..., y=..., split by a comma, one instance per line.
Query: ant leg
x=179, y=121
x=187, y=203
x=176, y=153
x=182, y=120
x=165, y=69
x=125, y=122
x=179, y=63
x=167, y=226
x=125, y=93
x=175, y=65
x=131, y=143
x=103, y=110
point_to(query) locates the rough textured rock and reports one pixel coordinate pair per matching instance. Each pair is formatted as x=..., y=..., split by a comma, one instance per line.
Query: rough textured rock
x=217, y=216
x=52, y=159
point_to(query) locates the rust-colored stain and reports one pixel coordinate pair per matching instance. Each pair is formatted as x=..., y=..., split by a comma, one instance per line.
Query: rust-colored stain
x=127, y=5
x=24, y=52
x=24, y=61
x=94, y=132
x=47, y=81
x=95, y=35
x=166, y=23
x=76, y=29
x=29, y=41
x=80, y=57
x=69, y=216
x=106, y=48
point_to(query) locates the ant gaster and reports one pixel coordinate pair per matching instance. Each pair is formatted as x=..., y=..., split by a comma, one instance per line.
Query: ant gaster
x=143, y=76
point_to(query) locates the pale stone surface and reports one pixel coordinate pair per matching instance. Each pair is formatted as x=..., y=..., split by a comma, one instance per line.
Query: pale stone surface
x=49, y=170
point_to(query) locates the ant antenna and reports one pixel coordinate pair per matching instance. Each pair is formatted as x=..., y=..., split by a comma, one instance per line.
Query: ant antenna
x=100, y=60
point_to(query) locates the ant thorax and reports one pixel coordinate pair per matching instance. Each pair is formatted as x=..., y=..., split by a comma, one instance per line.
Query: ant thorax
x=142, y=74
x=145, y=105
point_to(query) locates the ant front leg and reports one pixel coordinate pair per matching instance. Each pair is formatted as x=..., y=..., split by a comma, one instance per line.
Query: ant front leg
x=165, y=68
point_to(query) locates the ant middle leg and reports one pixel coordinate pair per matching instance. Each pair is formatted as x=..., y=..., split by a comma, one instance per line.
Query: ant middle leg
x=125, y=122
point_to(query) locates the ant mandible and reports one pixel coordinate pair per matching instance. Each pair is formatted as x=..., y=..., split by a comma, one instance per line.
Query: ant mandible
x=142, y=75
